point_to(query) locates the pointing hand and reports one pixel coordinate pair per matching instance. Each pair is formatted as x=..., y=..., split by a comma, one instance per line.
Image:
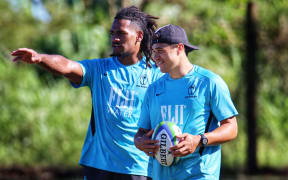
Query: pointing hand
x=27, y=55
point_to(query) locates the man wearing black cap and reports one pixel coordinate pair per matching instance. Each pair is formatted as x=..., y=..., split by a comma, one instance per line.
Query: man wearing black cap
x=195, y=99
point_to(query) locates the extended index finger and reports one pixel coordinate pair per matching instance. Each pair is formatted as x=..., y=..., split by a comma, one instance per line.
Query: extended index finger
x=180, y=136
x=17, y=53
x=21, y=51
x=177, y=146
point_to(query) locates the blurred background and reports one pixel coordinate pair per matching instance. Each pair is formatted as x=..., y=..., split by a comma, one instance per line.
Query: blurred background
x=43, y=120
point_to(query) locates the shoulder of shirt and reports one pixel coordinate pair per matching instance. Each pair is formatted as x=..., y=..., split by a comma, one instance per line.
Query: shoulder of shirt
x=158, y=82
x=98, y=62
x=207, y=74
x=98, y=59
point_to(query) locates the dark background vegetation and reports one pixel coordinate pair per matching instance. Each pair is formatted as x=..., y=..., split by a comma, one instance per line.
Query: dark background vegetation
x=43, y=120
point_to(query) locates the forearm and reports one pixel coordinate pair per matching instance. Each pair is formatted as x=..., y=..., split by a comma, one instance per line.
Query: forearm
x=226, y=132
x=188, y=143
x=60, y=65
x=54, y=63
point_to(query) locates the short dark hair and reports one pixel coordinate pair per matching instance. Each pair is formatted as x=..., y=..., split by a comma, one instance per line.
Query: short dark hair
x=146, y=23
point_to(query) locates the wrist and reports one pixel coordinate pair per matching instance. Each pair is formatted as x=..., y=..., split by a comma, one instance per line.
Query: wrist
x=203, y=140
x=198, y=140
x=39, y=57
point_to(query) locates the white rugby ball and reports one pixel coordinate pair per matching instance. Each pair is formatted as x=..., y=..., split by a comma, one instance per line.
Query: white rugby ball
x=165, y=133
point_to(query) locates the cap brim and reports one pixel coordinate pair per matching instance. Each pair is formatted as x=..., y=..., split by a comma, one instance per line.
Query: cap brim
x=190, y=47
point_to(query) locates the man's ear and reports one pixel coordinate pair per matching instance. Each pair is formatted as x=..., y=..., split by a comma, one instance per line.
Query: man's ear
x=140, y=35
x=180, y=47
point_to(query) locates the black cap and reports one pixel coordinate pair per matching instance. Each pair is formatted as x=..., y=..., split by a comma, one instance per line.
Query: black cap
x=172, y=34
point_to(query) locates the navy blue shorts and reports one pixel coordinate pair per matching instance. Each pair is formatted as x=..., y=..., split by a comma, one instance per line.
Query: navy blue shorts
x=95, y=174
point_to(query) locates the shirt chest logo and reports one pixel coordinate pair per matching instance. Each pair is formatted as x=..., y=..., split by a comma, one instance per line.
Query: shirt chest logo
x=143, y=81
x=191, y=91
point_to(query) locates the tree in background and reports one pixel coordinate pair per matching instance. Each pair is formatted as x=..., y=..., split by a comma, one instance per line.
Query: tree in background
x=32, y=112
x=252, y=79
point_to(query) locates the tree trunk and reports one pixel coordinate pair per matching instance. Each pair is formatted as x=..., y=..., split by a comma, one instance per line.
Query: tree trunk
x=251, y=76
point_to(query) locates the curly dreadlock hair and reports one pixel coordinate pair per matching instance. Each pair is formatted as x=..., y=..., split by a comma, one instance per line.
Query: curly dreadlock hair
x=147, y=24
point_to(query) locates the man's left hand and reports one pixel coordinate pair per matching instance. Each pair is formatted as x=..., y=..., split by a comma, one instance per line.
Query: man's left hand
x=187, y=145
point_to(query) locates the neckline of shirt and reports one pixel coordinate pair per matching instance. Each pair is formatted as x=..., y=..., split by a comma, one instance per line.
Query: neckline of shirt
x=190, y=73
x=140, y=62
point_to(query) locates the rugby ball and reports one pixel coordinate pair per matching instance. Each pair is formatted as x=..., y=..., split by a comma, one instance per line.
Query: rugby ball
x=165, y=133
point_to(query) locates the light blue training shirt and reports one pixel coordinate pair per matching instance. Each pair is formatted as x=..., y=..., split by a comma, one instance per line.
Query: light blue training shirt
x=117, y=95
x=188, y=102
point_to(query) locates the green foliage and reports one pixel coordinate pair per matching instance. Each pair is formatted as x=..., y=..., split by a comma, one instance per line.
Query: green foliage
x=41, y=123
x=217, y=27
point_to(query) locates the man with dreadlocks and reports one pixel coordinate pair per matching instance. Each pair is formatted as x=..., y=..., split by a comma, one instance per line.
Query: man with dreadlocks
x=118, y=84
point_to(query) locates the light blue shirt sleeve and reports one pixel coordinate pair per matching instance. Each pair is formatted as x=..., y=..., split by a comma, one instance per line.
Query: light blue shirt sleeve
x=88, y=68
x=221, y=102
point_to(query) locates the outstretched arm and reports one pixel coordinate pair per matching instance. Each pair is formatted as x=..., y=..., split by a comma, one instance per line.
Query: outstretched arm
x=54, y=63
x=188, y=143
